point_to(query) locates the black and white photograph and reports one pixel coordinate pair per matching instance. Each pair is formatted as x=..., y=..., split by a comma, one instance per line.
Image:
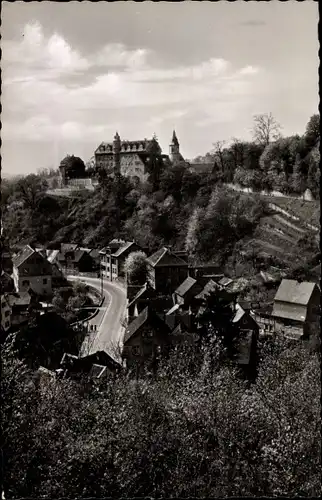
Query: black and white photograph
x=160, y=250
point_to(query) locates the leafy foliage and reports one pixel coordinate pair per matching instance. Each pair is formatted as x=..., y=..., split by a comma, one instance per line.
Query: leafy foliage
x=135, y=268
x=201, y=433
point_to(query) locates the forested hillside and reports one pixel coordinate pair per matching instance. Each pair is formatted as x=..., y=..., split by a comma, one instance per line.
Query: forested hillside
x=187, y=210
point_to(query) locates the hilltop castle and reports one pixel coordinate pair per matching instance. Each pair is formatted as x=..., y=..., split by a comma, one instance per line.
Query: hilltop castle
x=133, y=158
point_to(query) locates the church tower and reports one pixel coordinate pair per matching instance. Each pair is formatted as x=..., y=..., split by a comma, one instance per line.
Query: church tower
x=175, y=155
x=117, y=154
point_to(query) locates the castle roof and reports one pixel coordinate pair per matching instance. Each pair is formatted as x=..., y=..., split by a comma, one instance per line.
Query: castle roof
x=140, y=146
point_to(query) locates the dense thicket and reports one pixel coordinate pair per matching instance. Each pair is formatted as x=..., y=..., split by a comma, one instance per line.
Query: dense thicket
x=287, y=164
x=186, y=433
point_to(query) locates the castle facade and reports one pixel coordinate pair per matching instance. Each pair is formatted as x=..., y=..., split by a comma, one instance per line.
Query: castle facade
x=135, y=158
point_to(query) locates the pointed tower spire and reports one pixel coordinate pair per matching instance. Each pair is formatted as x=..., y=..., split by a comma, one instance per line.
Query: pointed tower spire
x=175, y=139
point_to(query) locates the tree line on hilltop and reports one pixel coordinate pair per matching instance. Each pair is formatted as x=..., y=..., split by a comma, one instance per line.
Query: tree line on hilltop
x=271, y=162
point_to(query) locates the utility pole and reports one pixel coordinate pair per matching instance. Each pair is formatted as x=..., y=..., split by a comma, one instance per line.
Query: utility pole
x=101, y=275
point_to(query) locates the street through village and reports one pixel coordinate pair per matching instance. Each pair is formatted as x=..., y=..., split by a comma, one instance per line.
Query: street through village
x=105, y=328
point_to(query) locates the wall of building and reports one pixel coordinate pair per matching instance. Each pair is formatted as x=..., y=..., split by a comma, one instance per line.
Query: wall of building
x=42, y=285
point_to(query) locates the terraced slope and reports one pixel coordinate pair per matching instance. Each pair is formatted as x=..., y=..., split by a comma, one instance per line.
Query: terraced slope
x=278, y=234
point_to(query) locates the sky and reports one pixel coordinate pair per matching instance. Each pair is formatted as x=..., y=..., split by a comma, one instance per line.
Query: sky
x=74, y=73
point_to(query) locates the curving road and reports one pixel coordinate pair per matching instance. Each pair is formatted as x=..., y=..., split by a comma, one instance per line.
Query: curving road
x=109, y=330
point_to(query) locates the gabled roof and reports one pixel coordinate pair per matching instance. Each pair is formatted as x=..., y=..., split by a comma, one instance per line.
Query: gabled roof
x=211, y=286
x=52, y=255
x=185, y=286
x=164, y=257
x=144, y=316
x=136, y=324
x=239, y=314
x=294, y=292
x=145, y=289
x=94, y=253
x=23, y=256
x=123, y=249
x=225, y=281
x=286, y=310
x=68, y=247
x=173, y=309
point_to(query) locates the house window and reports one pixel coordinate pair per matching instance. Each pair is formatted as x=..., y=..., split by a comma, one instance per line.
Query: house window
x=44, y=281
x=25, y=283
x=7, y=313
x=135, y=350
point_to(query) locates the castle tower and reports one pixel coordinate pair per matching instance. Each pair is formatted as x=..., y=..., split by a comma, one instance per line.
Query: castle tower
x=175, y=155
x=117, y=154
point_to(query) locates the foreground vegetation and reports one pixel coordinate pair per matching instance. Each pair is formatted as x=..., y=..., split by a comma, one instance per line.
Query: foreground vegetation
x=191, y=431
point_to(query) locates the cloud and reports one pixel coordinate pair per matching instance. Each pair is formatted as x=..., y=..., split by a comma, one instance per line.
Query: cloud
x=39, y=102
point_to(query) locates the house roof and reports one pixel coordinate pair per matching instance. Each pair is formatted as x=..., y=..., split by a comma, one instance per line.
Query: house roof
x=211, y=286
x=123, y=249
x=145, y=288
x=173, y=309
x=294, y=292
x=94, y=253
x=19, y=299
x=164, y=257
x=225, y=281
x=284, y=310
x=136, y=324
x=239, y=314
x=22, y=256
x=140, y=320
x=185, y=286
x=52, y=255
x=68, y=247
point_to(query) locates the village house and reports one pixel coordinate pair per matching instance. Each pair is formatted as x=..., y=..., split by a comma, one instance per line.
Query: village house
x=21, y=304
x=74, y=260
x=297, y=309
x=138, y=301
x=166, y=270
x=32, y=270
x=145, y=339
x=113, y=258
x=94, y=366
x=6, y=312
x=263, y=317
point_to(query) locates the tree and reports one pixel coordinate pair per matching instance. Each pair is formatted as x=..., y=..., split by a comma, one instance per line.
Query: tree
x=30, y=189
x=265, y=129
x=135, y=268
x=218, y=153
x=314, y=173
x=312, y=132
